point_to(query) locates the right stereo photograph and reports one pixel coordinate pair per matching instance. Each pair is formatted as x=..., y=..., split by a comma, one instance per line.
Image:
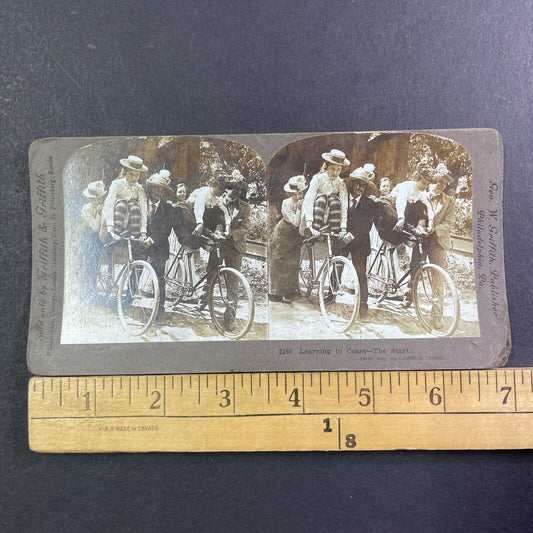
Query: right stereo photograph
x=370, y=237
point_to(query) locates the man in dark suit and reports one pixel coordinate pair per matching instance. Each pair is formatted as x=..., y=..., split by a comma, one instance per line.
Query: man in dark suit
x=362, y=213
x=161, y=218
x=234, y=247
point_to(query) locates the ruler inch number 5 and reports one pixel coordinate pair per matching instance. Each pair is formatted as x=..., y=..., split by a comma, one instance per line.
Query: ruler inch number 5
x=283, y=411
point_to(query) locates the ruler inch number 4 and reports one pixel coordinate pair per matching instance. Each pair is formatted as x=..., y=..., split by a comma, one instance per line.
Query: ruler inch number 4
x=283, y=411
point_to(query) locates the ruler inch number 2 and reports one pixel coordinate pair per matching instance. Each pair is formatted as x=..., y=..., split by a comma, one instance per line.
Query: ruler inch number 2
x=283, y=411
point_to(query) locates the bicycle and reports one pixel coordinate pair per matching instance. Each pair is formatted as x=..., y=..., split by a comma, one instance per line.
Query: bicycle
x=229, y=297
x=134, y=288
x=337, y=282
x=433, y=292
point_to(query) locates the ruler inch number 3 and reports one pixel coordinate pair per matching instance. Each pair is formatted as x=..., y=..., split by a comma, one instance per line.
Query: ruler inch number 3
x=283, y=411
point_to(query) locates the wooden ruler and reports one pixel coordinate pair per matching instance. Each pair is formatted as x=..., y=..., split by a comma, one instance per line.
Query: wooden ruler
x=466, y=409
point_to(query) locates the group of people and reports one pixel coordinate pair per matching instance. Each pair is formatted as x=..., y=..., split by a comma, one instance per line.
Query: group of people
x=163, y=220
x=356, y=208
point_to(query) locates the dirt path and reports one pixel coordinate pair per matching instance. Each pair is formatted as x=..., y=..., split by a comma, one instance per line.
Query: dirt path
x=389, y=320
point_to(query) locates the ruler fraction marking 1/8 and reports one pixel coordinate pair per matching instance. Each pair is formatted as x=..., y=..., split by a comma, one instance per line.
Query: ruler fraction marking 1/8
x=451, y=409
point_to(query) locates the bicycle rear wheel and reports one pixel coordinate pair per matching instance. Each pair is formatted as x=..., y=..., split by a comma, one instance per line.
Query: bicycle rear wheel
x=138, y=297
x=339, y=294
x=231, y=303
x=378, y=276
x=306, y=271
x=436, y=301
x=176, y=286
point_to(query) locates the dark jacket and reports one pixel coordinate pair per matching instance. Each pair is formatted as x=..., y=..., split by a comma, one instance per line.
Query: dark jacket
x=159, y=226
x=240, y=224
x=359, y=223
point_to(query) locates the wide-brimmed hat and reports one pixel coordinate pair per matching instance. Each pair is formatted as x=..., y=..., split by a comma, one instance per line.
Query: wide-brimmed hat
x=336, y=157
x=157, y=180
x=295, y=184
x=134, y=163
x=237, y=181
x=441, y=174
x=425, y=170
x=362, y=174
x=94, y=189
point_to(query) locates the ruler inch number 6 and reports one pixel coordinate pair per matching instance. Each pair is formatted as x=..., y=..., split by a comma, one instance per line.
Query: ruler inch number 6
x=283, y=411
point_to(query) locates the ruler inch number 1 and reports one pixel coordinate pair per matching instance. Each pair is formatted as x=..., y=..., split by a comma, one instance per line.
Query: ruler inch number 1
x=283, y=411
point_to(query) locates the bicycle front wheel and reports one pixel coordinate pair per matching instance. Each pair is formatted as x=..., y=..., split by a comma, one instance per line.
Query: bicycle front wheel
x=306, y=271
x=138, y=297
x=231, y=303
x=339, y=294
x=436, y=301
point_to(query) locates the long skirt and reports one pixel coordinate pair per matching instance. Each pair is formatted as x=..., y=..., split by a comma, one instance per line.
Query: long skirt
x=284, y=259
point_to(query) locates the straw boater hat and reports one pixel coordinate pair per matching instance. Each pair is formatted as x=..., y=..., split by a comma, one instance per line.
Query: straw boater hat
x=134, y=163
x=336, y=157
x=157, y=180
x=362, y=174
x=295, y=184
x=94, y=189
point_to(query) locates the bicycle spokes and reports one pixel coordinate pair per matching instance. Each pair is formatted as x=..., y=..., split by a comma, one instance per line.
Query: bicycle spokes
x=138, y=297
x=436, y=300
x=339, y=294
x=231, y=303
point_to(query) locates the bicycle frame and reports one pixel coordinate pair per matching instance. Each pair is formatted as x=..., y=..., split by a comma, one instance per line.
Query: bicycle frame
x=187, y=285
x=392, y=283
x=327, y=258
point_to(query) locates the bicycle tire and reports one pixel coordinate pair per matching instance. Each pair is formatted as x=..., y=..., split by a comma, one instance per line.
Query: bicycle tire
x=138, y=297
x=305, y=271
x=176, y=287
x=339, y=294
x=378, y=277
x=438, y=314
x=233, y=319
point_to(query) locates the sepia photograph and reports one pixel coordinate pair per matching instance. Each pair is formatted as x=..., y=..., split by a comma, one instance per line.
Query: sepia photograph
x=164, y=241
x=371, y=238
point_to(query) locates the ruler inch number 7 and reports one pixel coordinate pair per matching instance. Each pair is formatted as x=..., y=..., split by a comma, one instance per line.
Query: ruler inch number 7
x=283, y=411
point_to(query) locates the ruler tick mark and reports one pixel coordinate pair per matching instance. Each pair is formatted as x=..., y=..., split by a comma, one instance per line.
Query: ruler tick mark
x=268, y=388
x=346, y=378
x=138, y=382
x=408, y=389
x=112, y=387
x=216, y=383
x=320, y=383
x=522, y=377
x=478, y=387
x=390, y=383
x=460, y=382
x=469, y=378
x=451, y=378
x=224, y=380
x=399, y=382
x=338, y=389
x=172, y=382
x=425, y=382
x=77, y=387
x=120, y=382
x=496, y=380
x=381, y=379
x=129, y=390
x=278, y=380
x=42, y=394
x=311, y=379
x=103, y=384
x=199, y=390
x=251, y=385
x=285, y=383
x=52, y=385
x=60, y=392
x=329, y=379
x=364, y=378
x=259, y=379
x=181, y=386
x=416, y=378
